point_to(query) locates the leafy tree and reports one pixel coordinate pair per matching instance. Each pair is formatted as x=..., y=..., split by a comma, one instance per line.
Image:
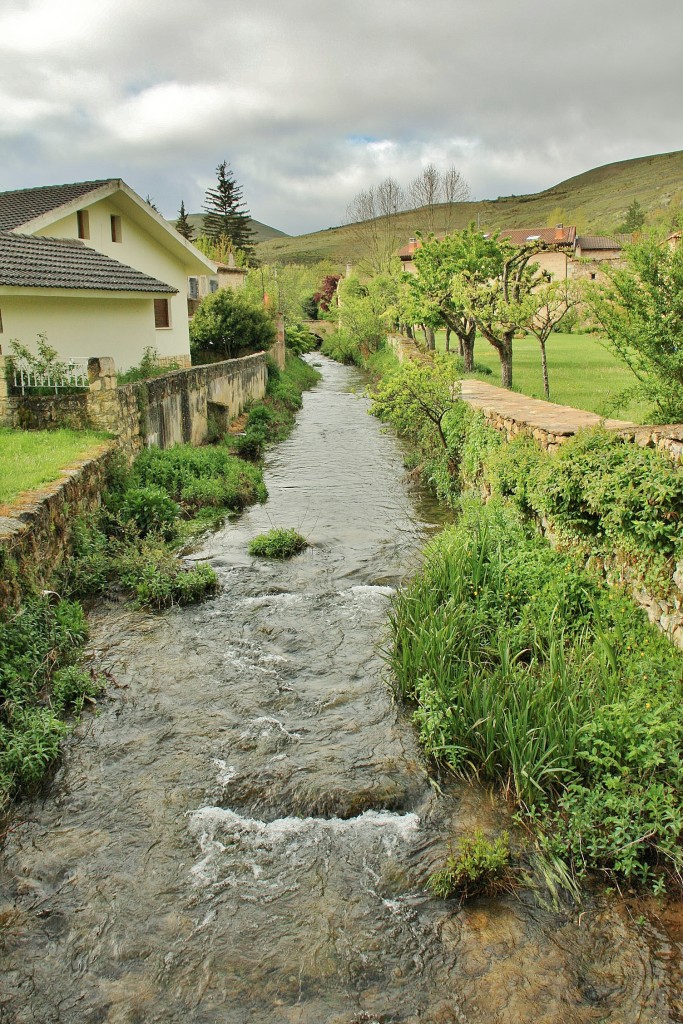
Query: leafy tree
x=365, y=311
x=417, y=398
x=290, y=288
x=433, y=301
x=542, y=311
x=226, y=212
x=495, y=294
x=182, y=225
x=327, y=291
x=227, y=323
x=640, y=309
x=635, y=218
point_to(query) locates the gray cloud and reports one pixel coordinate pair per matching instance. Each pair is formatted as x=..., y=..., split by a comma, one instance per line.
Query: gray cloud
x=310, y=103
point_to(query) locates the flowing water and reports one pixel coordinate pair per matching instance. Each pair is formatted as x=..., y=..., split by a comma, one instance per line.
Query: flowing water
x=244, y=830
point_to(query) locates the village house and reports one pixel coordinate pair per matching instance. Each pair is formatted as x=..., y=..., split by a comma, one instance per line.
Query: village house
x=568, y=255
x=97, y=270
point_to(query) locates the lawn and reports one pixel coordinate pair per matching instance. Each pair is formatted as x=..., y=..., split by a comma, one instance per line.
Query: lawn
x=581, y=371
x=30, y=458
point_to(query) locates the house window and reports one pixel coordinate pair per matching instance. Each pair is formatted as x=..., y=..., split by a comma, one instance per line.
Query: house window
x=194, y=287
x=213, y=285
x=593, y=277
x=162, y=313
x=83, y=223
x=116, y=235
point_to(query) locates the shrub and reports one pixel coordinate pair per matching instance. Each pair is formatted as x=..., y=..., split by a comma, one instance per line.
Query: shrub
x=227, y=323
x=478, y=866
x=278, y=543
x=152, y=511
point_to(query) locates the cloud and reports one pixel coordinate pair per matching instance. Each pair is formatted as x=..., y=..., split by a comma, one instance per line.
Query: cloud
x=311, y=104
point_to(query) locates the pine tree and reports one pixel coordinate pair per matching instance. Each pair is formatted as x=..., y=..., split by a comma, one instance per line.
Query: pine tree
x=182, y=225
x=225, y=211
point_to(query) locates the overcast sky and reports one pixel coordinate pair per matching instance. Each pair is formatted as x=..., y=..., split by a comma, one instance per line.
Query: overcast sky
x=312, y=101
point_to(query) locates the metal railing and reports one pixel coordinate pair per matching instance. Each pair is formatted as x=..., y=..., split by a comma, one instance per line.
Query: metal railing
x=72, y=374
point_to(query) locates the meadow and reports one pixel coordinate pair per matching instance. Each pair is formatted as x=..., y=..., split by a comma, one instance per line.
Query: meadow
x=583, y=373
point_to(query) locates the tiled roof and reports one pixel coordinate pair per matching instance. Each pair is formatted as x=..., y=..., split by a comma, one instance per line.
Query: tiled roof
x=28, y=261
x=551, y=236
x=603, y=241
x=17, y=208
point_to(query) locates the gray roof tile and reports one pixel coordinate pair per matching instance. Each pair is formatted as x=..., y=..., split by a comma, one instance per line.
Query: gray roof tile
x=17, y=208
x=30, y=261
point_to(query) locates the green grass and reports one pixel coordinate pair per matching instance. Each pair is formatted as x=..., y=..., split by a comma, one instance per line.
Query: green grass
x=581, y=370
x=30, y=458
x=280, y=542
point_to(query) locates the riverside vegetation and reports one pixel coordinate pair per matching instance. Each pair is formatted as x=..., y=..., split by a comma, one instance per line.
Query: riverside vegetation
x=521, y=666
x=128, y=548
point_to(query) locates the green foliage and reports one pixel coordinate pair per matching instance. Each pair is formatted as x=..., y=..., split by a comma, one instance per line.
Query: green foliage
x=226, y=212
x=477, y=866
x=299, y=340
x=526, y=670
x=289, y=289
x=44, y=361
x=416, y=398
x=152, y=511
x=227, y=323
x=635, y=218
x=280, y=542
x=147, y=368
x=40, y=682
x=640, y=309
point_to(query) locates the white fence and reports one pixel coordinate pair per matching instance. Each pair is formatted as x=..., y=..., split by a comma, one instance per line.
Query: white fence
x=70, y=374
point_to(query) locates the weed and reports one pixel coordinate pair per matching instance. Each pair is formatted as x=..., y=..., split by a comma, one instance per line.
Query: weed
x=278, y=543
x=478, y=866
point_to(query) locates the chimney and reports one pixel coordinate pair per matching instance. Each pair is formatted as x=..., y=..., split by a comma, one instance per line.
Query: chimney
x=559, y=232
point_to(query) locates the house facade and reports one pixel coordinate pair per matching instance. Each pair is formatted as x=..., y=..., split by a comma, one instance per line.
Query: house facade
x=93, y=267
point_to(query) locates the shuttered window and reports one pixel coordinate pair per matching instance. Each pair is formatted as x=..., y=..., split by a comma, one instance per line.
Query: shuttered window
x=116, y=233
x=162, y=313
x=83, y=223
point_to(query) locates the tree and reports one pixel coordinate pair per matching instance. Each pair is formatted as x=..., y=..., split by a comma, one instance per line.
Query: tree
x=435, y=194
x=226, y=212
x=416, y=399
x=226, y=323
x=542, y=312
x=635, y=218
x=493, y=295
x=182, y=225
x=373, y=217
x=438, y=263
x=640, y=309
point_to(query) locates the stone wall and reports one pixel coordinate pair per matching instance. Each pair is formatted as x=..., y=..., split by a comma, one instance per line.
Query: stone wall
x=551, y=425
x=182, y=406
x=34, y=531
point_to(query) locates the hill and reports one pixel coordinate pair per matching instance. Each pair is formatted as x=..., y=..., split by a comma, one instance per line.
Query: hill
x=262, y=232
x=595, y=201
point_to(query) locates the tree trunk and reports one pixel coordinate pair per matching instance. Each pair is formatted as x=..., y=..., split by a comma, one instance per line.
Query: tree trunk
x=448, y=339
x=544, y=364
x=505, y=353
x=409, y=332
x=431, y=339
x=467, y=348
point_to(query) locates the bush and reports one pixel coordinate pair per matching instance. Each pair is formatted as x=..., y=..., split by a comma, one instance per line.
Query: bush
x=152, y=511
x=478, y=866
x=227, y=324
x=278, y=543
x=147, y=368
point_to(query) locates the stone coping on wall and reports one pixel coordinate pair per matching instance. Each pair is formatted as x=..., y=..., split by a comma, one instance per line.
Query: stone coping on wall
x=552, y=424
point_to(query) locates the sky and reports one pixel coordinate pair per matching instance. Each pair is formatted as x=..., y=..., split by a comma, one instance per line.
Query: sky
x=311, y=103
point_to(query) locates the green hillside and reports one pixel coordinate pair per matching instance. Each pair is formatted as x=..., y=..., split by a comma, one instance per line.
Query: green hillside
x=596, y=202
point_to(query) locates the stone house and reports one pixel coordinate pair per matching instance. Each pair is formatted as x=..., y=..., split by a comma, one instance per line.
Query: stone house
x=93, y=267
x=568, y=255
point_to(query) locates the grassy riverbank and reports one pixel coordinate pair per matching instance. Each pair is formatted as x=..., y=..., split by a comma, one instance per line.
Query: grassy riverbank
x=521, y=666
x=129, y=549
x=31, y=458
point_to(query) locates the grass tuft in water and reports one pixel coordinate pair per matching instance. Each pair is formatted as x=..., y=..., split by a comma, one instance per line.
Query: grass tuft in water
x=279, y=542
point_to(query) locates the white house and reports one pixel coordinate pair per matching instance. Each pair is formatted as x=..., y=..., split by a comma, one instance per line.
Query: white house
x=93, y=267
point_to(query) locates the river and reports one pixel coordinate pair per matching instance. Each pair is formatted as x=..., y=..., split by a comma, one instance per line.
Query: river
x=241, y=834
